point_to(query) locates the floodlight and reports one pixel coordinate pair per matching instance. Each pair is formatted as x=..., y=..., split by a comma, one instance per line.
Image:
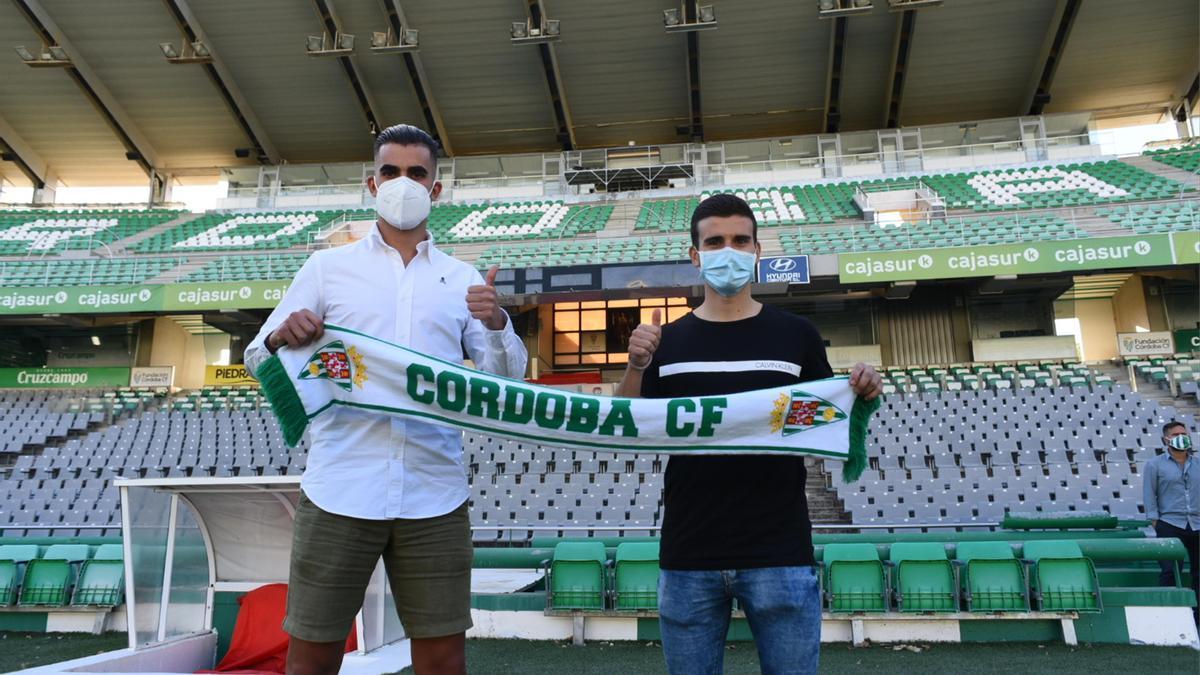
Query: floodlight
x=379, y=39
x=168, y=50
x=677, y=21
x=345, y=41
x=830, y=9
x=25, y=54
x=200, y=49
x=905, y=5
x=96, y=340
x=59, y=53
x=315, y=43
x=527, y=33
x=410, y=36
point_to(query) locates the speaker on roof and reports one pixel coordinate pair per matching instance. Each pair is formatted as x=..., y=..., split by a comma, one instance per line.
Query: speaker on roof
x=241, y=153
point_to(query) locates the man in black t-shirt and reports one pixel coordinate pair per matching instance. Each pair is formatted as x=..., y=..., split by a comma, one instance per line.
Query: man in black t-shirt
x=734, y=526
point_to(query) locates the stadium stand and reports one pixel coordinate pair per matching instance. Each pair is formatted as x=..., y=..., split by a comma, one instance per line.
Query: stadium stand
x=220, y=232
x=586, y=252
x=249, y=268
x=59, y=575
x=1029, y=437
x=51, y=232
x=787, y=205
x=517, y=221
x=1068, y=185
x=1178, y=216
x=84, y=272
x=936, y=233
x=1186, y=158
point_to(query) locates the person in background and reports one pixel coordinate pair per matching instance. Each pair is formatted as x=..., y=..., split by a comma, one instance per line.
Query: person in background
x=1171, y=490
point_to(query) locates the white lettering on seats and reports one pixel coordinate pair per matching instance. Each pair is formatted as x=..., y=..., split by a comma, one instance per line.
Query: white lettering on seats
x=1002, y=188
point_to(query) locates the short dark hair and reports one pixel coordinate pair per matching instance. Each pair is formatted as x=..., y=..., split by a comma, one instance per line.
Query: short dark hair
x=407, y=134
x=723, y=204
x=1171, y=425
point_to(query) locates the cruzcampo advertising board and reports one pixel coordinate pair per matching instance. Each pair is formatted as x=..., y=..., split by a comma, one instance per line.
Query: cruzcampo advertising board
x=1031, y=258
x=63, y=378
x=142, y=298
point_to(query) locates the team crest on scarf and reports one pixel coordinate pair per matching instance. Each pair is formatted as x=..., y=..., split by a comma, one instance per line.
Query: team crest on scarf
x=344, y=367
x=802, y=411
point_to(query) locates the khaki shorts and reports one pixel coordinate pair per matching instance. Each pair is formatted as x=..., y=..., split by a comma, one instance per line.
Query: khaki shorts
x=428, y=563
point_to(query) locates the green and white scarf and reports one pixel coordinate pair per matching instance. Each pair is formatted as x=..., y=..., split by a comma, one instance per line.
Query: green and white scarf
x=823, y=418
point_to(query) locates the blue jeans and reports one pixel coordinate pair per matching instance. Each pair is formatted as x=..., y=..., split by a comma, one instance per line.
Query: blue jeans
x=782, y=605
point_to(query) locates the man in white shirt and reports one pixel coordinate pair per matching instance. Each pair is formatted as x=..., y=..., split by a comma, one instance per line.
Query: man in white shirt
x=377, y=486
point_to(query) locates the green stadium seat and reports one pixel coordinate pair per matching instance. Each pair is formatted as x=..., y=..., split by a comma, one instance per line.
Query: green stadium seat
x=1061, y=578
x=923, y=580
x=636, y=576
x=102, y=578
x=48, y=578
x=52, y=232
x=854, y=578
x=993, y=580
x=13, y=559
x=577, y=576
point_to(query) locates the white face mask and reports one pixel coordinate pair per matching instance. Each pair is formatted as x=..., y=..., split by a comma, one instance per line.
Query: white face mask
x=403, y=202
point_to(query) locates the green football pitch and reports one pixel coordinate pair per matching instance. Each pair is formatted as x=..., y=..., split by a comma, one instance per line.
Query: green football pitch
x=518, y=657
x=496, y=657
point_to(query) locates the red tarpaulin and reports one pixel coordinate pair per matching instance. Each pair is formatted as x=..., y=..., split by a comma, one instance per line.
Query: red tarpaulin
x=259, y=644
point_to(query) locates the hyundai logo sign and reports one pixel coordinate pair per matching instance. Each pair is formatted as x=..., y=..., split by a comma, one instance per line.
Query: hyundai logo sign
x=782, y=265
x=792, y=269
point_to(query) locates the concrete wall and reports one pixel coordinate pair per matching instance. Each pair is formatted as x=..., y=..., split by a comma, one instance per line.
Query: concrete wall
x=172, y=345
x=1129, y=307
x=1098, y=329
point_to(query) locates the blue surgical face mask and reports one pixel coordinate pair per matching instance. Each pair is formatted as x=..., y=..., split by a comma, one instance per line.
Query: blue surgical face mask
x=728, y=270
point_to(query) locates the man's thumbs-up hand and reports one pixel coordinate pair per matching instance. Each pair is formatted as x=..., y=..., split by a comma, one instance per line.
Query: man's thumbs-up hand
x=483, y=302
x=643, y=341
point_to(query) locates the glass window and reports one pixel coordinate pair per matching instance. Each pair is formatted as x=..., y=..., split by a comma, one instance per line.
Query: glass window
x=566, y=321
x=597, y=332
x=592, y=319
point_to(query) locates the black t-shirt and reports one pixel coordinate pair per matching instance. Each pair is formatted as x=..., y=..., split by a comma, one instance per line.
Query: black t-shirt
x=737, y=511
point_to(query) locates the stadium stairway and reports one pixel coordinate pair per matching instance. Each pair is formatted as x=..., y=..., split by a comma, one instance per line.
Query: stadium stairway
x=174, y=274
x=623, y=219
x=824, y=505
x=1182, y=405
x=1146, y=163
x=123, y=246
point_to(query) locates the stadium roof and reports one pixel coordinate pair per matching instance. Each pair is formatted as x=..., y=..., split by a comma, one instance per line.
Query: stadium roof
x=615, y=76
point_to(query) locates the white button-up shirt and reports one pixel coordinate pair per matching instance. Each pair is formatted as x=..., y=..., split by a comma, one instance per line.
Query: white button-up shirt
x=367, y=465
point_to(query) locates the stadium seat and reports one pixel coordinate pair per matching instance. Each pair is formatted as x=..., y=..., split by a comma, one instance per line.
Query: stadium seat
x=102, y=578
x=923, y=580
x=49, y=578
x=993, y=580
x=854, y=578
x=84, y=272
x=1186, y=158
x=577, y=576
x=40, y=232
x=1061, y=578
x=636, y=576
x=13, y=559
